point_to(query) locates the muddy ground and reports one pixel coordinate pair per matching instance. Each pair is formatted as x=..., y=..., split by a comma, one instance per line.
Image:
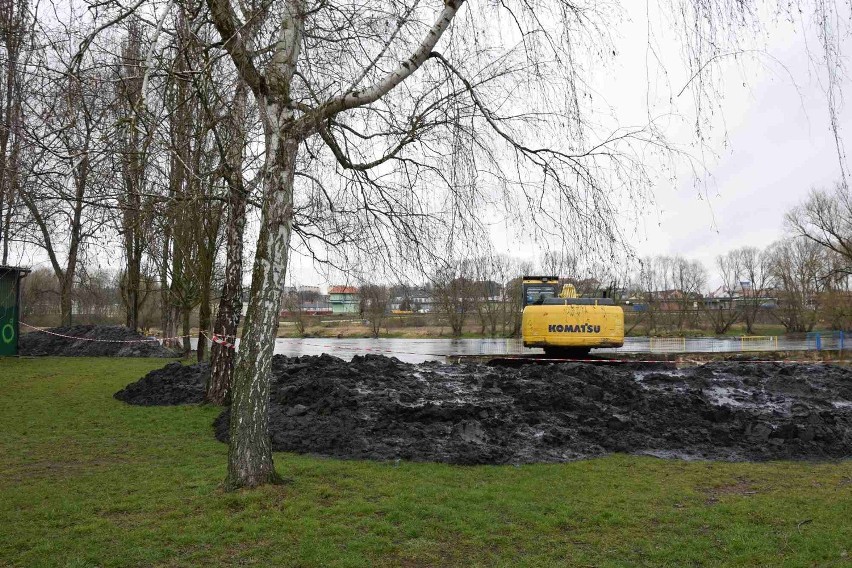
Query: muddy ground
x=377, y=407
x=112, y=341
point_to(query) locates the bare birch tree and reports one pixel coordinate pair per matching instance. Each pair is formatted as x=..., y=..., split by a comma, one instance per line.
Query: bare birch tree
x=15, y=38
x=826, y=219
x=726, y=310
x=375, y=300
x=292, y=109
x=755, y=283
x=798, y=268
x=68, y=144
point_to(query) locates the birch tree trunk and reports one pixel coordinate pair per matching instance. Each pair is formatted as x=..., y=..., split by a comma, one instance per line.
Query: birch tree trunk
x=166, y=319
x=249, y=451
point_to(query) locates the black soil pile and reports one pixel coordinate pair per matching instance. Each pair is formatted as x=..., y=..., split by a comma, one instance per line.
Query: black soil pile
x=380, y=408
x=91, y=341
x=171, y=385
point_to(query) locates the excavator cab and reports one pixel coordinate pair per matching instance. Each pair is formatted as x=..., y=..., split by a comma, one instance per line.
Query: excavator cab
x=537, y=289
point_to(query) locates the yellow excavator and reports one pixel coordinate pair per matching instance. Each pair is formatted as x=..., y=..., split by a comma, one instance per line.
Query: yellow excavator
x=565, y=325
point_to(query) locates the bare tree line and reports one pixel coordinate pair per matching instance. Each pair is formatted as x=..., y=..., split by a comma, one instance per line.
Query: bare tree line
x=796, y=282
x=799, y=281
x=128, y=148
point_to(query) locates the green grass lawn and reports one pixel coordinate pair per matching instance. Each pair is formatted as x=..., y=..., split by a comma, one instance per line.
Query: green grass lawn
x=88, y=481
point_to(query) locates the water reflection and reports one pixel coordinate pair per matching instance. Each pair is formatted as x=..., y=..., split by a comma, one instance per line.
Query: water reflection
x=420, y=350
x=408, y=350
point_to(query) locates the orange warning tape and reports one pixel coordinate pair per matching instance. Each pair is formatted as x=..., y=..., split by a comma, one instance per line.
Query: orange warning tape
x=221, y=340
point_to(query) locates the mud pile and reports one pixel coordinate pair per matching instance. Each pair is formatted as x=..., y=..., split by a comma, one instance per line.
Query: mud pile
x=380, y=408
x=173, y=384
x=111, y=341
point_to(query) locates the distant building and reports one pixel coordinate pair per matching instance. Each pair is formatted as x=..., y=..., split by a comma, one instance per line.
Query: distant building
x=416, y=300
x=318, y=306
x=304, y=299
x=490, y=289
x=307, y=291
x=671, y=300
x=422, y=301
x=664, y=301
x=344, y=299
x=723, y=298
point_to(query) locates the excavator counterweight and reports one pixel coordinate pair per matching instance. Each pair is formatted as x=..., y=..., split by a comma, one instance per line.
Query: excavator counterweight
x=563, y=324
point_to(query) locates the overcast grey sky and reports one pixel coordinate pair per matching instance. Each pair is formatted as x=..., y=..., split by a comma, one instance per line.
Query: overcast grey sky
x=779, y=145
x=770, y=144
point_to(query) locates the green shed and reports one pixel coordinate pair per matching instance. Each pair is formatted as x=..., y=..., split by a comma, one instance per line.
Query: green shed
x=10, y=301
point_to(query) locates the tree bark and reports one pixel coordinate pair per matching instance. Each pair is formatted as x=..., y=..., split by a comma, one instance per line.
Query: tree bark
x=204, y=317
x=230, y=305
x=166, y=319
x=65, y=285
x=187, y=346
x=133, y=246
x=134, y=278
x=229, y=312
x=231, y=302
x=206, y=265
x=249, y=452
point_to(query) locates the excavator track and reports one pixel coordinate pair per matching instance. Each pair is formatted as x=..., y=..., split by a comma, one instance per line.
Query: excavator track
x=662, y=361
x=542, y=359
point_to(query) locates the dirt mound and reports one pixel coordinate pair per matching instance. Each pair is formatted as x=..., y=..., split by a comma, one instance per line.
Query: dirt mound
x=380, y=408
x=171, y=385
x=111, y=341
x=175, y=384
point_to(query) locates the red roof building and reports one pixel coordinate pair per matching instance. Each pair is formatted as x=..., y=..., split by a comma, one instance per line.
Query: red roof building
x=344, y=299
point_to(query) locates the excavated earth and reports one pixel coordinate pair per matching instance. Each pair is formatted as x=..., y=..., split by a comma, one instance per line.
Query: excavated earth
x=173, y=384
x=380, y=408
x=91, y=341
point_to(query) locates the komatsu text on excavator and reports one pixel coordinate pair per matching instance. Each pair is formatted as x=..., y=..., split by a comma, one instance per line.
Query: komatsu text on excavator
x=564, y=325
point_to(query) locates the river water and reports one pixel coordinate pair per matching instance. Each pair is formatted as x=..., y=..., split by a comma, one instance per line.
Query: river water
x=408, y=350
x=420, y=350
